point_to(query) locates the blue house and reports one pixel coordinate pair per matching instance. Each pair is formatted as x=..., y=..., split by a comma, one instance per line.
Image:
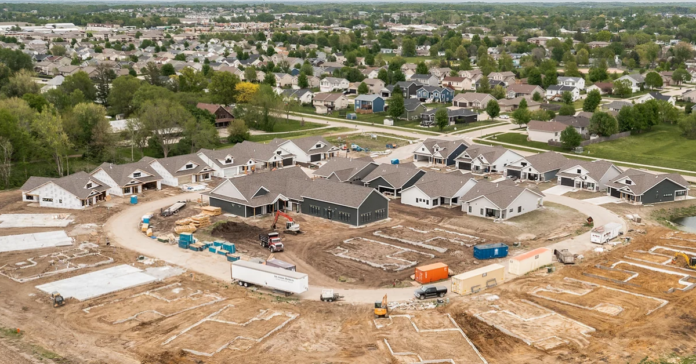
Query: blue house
x=436, y=94
x=367, y=104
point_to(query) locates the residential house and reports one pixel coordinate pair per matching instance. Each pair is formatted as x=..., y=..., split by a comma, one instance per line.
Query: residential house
x=656, y=96
x=435, y=94
x=408, y=88
x=439, y=151
x=327, y=102
x=506, y=77
x=428, y=80
x=540, y=167
x=440, y=72
x=577, y=82
x=636, y=80
x=454, y=114
x=616, y=105
x=283, y=79
x=312, y=81
x=128, y=179
x=500, y=200
x=374, y=85
x=588, y=175
x=473, y=100
x=543, y=131
x=644, y=188
x=223, y=116
x=76, y=191
x=413, y=109
x=486, y=159
x=391, y=179
x=519, y=89
x=580, y=122
x=367, y=104
x=555, y=92
x=666, y=78
x=347, y=170
x=310, y=149
x=303, y=96
x=598, y=44
x=182, y=169
x=603, y=87
x=510, y=105
x=438, y=189
x=330, y=84
x=346, y=203
x=370, y=72
x=689, y=95
x=456, y=83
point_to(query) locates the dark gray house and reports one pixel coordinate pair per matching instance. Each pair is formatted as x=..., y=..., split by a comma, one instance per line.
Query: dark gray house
x=439, y=151
x=641, y=188
x=346, y=203
x=538, y=167
x=290, y=189
x=347, y=169
x=393, y=178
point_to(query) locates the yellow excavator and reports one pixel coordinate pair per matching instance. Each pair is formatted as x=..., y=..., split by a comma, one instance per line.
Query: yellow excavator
x=690, y=261
x=382, y=308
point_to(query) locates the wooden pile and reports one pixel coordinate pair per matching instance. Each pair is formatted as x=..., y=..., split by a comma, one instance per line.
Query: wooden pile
x=211, y=210
x=201, y=221
x=185, y=226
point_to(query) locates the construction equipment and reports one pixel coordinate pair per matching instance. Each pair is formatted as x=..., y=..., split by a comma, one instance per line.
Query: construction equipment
x=173, y=209
x=272, y=242
x=564, y=256
x=290, y=225
x=328, y=295
x=382, y=308
x=690, y=261
x=57, y=299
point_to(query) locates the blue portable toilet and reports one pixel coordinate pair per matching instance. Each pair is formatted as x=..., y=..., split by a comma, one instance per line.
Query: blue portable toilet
x=490, y=251
x=146, y=218
x=394, y=161
x=229, y=247
x=134, y=199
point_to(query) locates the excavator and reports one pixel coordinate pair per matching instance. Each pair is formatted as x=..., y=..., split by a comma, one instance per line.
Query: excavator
x=382, y=308
x=290, y=225
x=690, y=261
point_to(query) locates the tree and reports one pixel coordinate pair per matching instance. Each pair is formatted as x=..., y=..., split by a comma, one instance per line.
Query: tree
x=21, y=83
x=48, y=127
x=536, y=97
x=570, y=138
x=269, y=79
x=122, y=92
x=151, y=74
x=168, y=70
x=197, y=134
x=80, y=81
x=522, y=116
x=681, y=75
x=566, y=110
x=592, y=101
x=383, y=75
x=567, y=98
x=396, y=105
x=603, y=124
x=250, y=74
x=246, y=91
x=493, y=109
x=6, y=152
x=222, y=87
x=104, y=76
x=441, y=118
x=534, y=77
x=598, y=74
x=263, y=104
x=498, y=92
x=164, y=119
x=667, y=113
x=422, y=68
x=484, y=86
x=505, y=62
x=653, y=80
x=302, y=81
x=688, y=126
x=461, y=53
x=550, y=78
x=571, y=70
x=238, y=131
x=622, y=88
x=363, y=89
x=85, y=116
x=582, y=57
x=625, y=119
x=36, y=102
x=541, y=115
x=192, y=81
x=102, y=145
x=408, y=47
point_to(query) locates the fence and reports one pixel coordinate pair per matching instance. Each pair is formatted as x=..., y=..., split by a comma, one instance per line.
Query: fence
x=595, y=140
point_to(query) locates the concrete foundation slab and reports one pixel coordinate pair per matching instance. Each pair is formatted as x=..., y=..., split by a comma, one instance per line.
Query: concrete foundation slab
x=34, y=220
x=34, y=241
x=99, y=283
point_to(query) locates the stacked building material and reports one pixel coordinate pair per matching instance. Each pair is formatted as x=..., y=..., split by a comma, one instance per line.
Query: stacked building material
x=211, y=210
x=185, y=229
x=201, y=221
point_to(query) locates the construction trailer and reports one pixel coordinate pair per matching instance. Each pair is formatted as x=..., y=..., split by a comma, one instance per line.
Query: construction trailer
x=278, y=279
x=478, y=279
x=530, y=261
x=603, y=234
x=431, y=273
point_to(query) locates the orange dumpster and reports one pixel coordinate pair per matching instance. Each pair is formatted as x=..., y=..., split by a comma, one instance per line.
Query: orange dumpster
x=432, y=273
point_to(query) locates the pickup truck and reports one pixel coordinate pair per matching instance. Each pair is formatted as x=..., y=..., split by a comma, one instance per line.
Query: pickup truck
x=430, y=291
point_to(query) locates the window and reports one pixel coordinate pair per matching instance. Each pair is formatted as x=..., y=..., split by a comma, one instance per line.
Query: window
x=536, y=257
x=89, y=185
x=469, y=209
x=47, y=199
x=189, y=166
x=481, y=212
x=519, y=209
x=60, y=201
x=579, y=171
x=512, y=210
x=484, y=274
x=427, y=202
x=137, y=174
x=228, y=161
x=29, y=197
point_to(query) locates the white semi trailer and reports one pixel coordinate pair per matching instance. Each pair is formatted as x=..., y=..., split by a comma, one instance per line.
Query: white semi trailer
x=603, y=234
x=278, y=279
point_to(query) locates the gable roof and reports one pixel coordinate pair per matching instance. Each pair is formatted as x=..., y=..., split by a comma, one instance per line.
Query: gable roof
x=502, y=194
x=289, y=182
x=490, y=153
x=446, y=147
x=595, y=169
x=436, y=184
x=74, y=184
x=523, y=88
x=120, y=172
x=546, y=126
x=659, y=96
x=173, y=164
x=411, y=104
x=395, y=174
x=34, y=182
x=547, y=161
x=344, y=168
x=578, y=121
x=344, y=194
x=644, y=181
x=308, y=142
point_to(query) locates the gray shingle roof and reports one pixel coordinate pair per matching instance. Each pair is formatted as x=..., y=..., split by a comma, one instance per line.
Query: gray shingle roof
x=394, y=174
x=549, y=126
x=644, y=181
x=308, y=142
x=490, y=153
x=502, y=194
x=74, y=183
x=173, y=164
x=120, y=172
x=34, y=182
x=343, y=167
x=436, y=184
x=547, y=161
x=595, y=169
x=577, y=121
x=446, y=147
x=289, y=182
x=344, y=194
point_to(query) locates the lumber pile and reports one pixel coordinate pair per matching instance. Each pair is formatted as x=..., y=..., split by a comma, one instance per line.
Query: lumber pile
x=186, y=221
x=201, y=221
x=185, y=229
x=211, y=210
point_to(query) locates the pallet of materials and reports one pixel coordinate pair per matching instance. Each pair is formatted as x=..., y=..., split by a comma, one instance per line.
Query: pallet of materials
x=211, y=210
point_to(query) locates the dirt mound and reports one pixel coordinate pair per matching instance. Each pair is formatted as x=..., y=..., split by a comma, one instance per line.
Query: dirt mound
x=235, y=231
x=166, y=357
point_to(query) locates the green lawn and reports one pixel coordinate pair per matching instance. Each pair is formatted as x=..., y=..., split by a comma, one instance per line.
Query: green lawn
x=664, y=146
x=283, y=125
x=299, y=134
x=521, y=139
x=366, y=141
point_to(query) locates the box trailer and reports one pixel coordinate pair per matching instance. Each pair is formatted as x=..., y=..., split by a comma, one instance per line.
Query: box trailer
x=490, y=251
x=278, y=279
x=603, y=234
x=475, y=280
x=431, y=273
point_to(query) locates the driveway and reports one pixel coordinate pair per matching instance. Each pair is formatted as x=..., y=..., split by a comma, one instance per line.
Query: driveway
x=602, y=200
x=558, y=190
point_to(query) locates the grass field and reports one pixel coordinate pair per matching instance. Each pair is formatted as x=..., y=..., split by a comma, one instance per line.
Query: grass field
x=283, y=125
x=366, y=141
x=260, y=138
x=521, y=139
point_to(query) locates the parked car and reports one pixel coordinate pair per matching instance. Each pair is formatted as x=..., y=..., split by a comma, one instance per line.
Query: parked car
x=504, y=117
x=430, y=291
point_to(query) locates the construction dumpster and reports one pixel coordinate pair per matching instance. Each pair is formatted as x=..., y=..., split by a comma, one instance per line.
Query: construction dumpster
x=490, y=251
x=431, y=273
x=478, y=279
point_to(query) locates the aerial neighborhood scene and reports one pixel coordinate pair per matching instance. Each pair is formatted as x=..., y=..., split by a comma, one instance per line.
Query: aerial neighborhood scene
x=347, y=182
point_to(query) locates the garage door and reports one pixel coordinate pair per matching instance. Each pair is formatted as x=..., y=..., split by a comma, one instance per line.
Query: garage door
x=287, y=162
x=567, y=182
x=615, y=192
x=513, y=173
x=465, y=166
x=315, y=157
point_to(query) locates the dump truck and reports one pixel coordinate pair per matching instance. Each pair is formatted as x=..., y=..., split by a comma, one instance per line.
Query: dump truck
x=271, y=241
x=564, y=256
x=173, y=209
x=277, y=279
